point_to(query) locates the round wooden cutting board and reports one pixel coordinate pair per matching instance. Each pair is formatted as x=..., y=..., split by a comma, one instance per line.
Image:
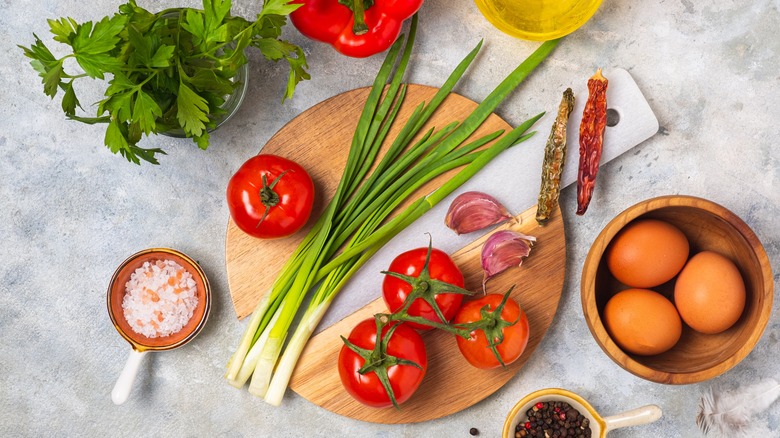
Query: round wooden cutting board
x=319, y=140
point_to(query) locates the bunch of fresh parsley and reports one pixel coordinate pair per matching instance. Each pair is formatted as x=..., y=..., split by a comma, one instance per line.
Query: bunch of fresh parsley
x=169, y=70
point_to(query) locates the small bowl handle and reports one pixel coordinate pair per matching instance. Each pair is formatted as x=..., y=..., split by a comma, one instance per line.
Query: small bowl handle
x=125, y=382
x=634, y=417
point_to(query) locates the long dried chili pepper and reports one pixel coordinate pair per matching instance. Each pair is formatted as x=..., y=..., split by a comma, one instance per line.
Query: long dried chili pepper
x=554, y=156
x=594, y=120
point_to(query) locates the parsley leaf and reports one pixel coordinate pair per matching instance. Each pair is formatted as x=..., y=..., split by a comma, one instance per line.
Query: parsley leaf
x=145, y=154
x=206, y=26
x=39, y=52
x=70, y=101
x=276, y=50
x=100, y=40
x=202, y=140
x=145, y=112
x=48, y=67
x=196, y=25
x=63, y=29
x=52, y=79
x=162, y=57
x=96, y=65
x=119, y=83
x=281, y=7
x=115, y=138
x=90, y=45
x=207, y=79
x=298, y=71
x=142, y=47
x=193, y=111
x=216, y=11
x=270, y=26
x=119, y=106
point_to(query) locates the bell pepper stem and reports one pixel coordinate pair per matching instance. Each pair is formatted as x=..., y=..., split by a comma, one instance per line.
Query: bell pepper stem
x=359, y=27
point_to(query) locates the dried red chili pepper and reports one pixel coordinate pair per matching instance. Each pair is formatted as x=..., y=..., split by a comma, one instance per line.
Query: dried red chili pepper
x=594, y=120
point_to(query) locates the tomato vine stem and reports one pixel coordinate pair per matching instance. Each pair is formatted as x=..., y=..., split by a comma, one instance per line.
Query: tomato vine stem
x=424, y=287
x=377, y=360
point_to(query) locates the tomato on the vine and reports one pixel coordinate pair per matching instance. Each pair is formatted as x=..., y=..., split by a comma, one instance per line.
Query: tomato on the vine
x=412, y=264
x=270, y=196
x=401, y=361
x=511, y=324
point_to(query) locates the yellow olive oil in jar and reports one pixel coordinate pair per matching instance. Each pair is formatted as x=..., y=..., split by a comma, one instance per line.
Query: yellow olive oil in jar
x=538, y=20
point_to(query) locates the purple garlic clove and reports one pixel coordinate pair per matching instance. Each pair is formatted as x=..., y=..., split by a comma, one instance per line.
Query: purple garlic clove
x=502, y=250
x=473, y=211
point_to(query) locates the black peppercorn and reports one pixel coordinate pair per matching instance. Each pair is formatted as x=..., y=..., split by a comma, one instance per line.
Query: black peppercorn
x=473, y=431
x=552, y=420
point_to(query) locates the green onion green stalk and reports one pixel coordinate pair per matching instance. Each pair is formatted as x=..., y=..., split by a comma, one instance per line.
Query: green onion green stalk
x=356, y=223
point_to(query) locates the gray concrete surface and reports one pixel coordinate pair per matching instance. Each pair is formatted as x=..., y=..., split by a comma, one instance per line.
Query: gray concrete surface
x=70, y=211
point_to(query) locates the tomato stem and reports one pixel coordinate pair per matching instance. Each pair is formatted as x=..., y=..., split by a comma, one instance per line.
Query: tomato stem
x=449, y=328
x=493, y=325
x=268, y=196
x=425, y=288
x=377, y=360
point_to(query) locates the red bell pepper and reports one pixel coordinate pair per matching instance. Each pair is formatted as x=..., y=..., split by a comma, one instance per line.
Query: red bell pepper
x=362, y=29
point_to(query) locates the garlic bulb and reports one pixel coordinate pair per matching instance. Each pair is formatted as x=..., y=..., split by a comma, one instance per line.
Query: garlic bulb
x=502, y=250
x=472, y=211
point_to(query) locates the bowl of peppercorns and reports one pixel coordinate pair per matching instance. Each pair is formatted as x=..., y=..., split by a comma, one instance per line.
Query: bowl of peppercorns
x=556, y=412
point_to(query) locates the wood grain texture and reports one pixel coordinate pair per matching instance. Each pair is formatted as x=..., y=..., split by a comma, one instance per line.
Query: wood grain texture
x=319, y=139
x=696, y=357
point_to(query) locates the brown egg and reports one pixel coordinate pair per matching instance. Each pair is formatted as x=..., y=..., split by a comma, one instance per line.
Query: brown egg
x=642, y=322
x=647, y=253
x=710, y=293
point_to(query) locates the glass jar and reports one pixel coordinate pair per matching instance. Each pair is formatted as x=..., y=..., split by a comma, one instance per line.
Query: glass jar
x=538, y=20
x=232, y=101
x=231, y=105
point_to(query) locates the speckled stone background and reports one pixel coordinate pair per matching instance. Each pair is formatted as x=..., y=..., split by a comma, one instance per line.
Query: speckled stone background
x=70, y=212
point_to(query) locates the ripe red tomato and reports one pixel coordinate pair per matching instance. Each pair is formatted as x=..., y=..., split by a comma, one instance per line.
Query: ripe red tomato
x=270, y=196
x=411, y=263
x=476, y=349
x=405, y=343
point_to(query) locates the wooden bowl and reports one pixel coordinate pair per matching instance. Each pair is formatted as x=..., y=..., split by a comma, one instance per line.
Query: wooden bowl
x=696, y=357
